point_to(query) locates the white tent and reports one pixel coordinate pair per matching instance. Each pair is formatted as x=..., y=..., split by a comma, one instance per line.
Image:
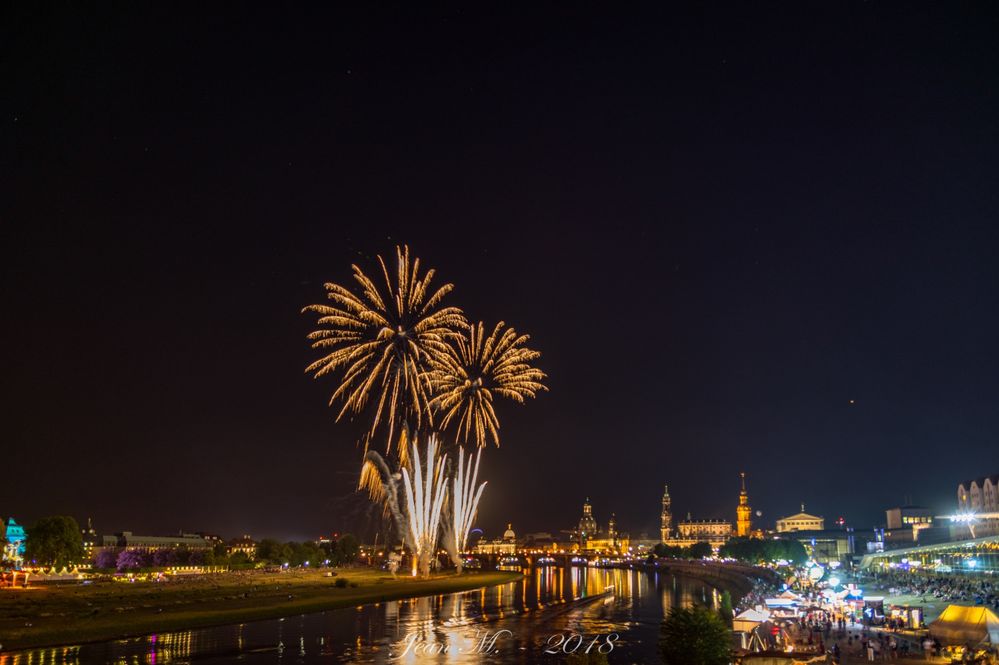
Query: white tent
x=749, y=620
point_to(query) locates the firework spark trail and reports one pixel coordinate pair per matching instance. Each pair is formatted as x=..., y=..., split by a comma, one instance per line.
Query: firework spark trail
x=425, y=495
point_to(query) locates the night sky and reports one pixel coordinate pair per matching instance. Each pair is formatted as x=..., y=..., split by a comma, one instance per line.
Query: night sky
x=743, y=239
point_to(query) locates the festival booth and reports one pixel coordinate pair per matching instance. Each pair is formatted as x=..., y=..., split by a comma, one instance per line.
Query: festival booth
x=749, y=620
x=959, y=625
x=874, y=610
x=781, y=608
x=911, y=617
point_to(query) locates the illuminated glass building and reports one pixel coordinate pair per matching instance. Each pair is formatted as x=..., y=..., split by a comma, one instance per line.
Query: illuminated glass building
x=972, y=557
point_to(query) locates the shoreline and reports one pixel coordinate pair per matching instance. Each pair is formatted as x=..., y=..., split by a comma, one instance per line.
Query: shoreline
x=268, y=597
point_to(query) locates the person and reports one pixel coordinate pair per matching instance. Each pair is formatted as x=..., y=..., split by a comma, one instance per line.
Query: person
x=928, y=647
x=870, y=651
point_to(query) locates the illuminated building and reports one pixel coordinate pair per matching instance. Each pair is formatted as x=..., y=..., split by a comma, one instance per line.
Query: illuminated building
x=610, y=541
x=743, y=513
x=976, y=556
x=13, y=551
x=129, y=541
x=588, y=537
x=692, y=531
x=245, y=544
x=666, y=517
x=906, y=516
x=830, y=545
x=587, y=524
x=979, y=496
x=89, y=540
x=505, y=545
x=801, y=522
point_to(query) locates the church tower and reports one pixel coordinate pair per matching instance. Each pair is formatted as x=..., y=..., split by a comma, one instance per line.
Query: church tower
x=743, y=513
x=666, y=518
x=587, y=523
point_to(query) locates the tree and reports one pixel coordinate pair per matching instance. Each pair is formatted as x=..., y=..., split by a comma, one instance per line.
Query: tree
x=725, y=607
x=347, y=549
x=164, y=557
x=106, y=560
x=700, y=550
x=238, y=558
x=754, y=550
x=133, y=559
x=795, y=552
x=664, y=551
x=270, y=550
x=54, y=541
x=695, y=636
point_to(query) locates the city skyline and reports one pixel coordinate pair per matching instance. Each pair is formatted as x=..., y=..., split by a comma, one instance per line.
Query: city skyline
x=765, y=250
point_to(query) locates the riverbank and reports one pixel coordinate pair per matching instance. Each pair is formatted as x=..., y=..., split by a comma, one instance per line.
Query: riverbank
x=738, y=579
x=40, y=616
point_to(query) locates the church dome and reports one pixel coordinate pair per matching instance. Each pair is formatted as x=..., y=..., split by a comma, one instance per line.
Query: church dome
x=509, y=534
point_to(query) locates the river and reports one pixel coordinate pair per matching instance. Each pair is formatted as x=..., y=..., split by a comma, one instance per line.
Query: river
x=549, y=613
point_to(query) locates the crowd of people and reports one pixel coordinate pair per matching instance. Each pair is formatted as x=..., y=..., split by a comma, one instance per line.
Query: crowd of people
x=964, y=589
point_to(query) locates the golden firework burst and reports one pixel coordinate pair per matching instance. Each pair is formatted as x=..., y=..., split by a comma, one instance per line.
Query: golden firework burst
x=478, y=367
x=382, y=341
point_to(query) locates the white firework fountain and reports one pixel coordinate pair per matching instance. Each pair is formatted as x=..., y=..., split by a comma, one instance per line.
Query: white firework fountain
x=424, y=494
x=464, y=505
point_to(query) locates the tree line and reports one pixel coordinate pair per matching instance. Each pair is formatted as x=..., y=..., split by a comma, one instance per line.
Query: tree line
x=695, y=551
x=58, y=541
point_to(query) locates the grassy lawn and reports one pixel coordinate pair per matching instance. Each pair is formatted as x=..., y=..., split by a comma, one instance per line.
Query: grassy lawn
x=47, y=616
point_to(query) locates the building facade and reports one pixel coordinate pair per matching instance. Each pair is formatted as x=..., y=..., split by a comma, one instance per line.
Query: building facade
x=505, y=545
x=587, y=527
x=245, y=544
x=801, y=522
x=691, y=531
x=980, y=495
x=13, y=545
x=743, y=513
x=666, y=517
x=129, y=541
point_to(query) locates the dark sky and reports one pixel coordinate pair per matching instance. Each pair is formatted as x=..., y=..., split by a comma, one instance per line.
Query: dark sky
x=719, y=226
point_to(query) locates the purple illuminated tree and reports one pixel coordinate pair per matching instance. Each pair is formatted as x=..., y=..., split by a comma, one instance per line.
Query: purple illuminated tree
x=164, y=557
x=132, y=559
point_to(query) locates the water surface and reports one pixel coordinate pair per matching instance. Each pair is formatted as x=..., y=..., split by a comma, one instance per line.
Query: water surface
x=553, y=609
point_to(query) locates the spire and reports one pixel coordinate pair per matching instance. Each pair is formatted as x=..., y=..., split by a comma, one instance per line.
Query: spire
x=802, y=507
x=742, y=474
